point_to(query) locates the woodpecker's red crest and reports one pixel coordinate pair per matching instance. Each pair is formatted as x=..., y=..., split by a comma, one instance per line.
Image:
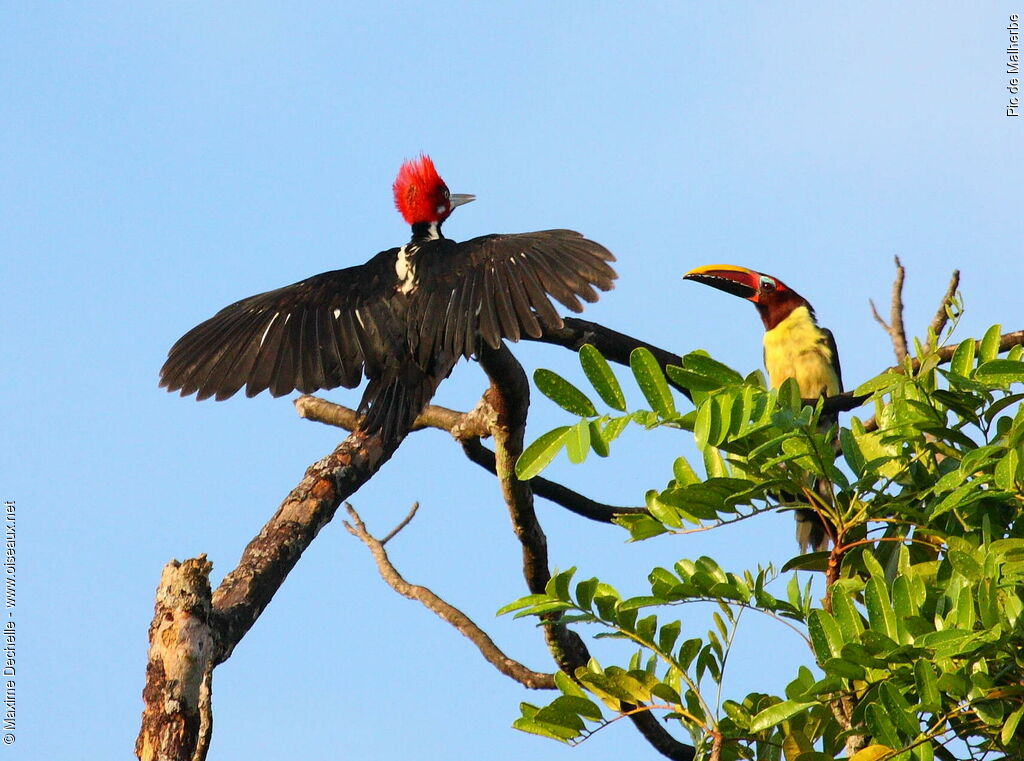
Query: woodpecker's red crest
x=420, y=193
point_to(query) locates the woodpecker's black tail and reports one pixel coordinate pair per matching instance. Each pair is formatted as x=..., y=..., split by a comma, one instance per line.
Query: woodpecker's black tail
x=393, y=400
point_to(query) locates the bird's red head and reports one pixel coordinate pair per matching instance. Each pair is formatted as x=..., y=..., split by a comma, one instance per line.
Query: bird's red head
x=421, y=195
x=773, y=298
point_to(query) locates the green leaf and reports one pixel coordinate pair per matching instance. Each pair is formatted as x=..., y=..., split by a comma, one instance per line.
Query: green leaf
x=577, y=443
x=714, y=465
x=1001, y=371
x=544, y=729
x=668, y=635
x=694, y=382
x=962, y=362
x=825, y=635
x=777, y=714
x=882, y=382
x=966, y=565
x=712, y=369
x=651, y=381
x=614, y=428
x=990, y=344
x=843, y=668
x=585, y=593
x=927, y=686
x=881, y=616
x=852, y=452
x=601, y=377
x=597, y=442
x=563, y=393
x=998, y=406
x=683, y=472
x=1009, y=730
x=541, y=452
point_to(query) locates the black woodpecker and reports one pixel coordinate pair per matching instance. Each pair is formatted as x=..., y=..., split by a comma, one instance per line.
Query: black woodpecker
x=402, y=319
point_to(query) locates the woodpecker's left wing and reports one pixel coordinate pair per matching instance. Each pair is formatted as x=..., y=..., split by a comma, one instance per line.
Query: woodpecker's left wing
x=500, y=286
x=321, y=332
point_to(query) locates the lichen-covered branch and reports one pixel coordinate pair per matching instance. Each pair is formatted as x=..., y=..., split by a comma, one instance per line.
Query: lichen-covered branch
x=243, y=595
x=449, y=613
x=266, y=561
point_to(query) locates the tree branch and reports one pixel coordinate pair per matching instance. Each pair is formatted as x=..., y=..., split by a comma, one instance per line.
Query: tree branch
x=176, y=722
x=459, y=424
x=614, y=346
x=509, y=396
x=938, y=323
x=247, y=590
x=563, y=496
x=446, y=612
x=895, y=328
x=468, y=427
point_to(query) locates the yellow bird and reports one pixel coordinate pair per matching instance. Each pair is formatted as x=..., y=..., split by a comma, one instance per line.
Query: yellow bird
x=795, y=346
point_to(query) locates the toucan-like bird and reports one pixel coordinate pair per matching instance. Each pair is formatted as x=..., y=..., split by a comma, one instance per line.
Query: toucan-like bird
x=795, y=346
x=403, y=319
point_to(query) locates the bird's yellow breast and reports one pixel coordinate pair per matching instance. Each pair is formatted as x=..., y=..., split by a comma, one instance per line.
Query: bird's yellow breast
x=798, y=348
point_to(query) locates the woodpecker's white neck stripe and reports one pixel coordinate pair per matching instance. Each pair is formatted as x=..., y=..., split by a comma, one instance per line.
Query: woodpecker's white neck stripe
x=405, y=269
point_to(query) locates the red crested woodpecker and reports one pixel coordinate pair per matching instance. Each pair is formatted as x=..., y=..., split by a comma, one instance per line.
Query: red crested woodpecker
x=402, y=319
x=795, y=346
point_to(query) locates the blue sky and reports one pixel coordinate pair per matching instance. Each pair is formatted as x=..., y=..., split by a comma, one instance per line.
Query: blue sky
x=165, y=159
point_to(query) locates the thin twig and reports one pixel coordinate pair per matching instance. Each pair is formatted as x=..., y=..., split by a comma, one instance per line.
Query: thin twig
x=445, y=611
x=938, y=323
x=895, y=328
x=561, y=495
x=404, y=522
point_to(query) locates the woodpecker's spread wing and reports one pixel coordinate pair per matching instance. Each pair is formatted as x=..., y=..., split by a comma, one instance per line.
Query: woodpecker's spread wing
x=500, y=286
x=318, y=333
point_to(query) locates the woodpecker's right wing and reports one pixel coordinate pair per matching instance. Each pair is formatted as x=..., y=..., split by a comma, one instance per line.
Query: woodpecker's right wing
x=501, y=286
x=319, y=333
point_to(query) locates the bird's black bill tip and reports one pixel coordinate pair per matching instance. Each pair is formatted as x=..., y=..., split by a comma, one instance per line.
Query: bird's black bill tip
x=723, y=284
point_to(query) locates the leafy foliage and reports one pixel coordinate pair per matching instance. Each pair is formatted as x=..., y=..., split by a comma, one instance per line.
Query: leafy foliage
x=919, y=640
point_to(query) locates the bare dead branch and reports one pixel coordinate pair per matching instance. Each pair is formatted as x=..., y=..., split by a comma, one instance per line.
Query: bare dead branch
x=458, y=424
x=895, y=328
x=402, y=524
x=896, y=313
x=179, y=668
x=446, y=612
x=938, y=323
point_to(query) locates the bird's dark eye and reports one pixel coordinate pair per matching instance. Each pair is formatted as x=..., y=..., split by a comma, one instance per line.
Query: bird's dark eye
x=767, y=284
